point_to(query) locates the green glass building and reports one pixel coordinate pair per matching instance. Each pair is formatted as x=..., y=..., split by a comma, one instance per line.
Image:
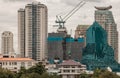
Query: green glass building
x=98, y=53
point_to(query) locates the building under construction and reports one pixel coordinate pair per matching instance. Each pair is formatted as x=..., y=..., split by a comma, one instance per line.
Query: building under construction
x=63, y=46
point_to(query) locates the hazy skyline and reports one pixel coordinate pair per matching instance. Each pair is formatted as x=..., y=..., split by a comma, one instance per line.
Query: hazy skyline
x=85, y=15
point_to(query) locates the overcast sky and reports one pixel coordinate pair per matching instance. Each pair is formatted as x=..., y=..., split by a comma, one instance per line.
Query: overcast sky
x=85, y=15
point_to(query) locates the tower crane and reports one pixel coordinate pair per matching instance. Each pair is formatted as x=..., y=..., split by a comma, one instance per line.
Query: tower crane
x=62, y=20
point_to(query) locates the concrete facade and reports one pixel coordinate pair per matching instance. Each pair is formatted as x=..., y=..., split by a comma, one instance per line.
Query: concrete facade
x=14, y=64
x=7, y=44
x=63, y=46
x=33, y=31
x=106, y=20
x=71, y=69
x=81, y=31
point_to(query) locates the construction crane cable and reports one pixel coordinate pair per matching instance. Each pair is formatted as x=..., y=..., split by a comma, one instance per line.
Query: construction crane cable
x=57, y=18
x=74, y=12
x=61, y=21
x=73, y=9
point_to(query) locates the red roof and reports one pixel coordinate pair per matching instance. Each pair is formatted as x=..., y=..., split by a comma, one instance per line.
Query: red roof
x=16, y=59
x=70, y=62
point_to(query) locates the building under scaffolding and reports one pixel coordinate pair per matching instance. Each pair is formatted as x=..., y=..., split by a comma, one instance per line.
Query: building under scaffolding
x=63, y=46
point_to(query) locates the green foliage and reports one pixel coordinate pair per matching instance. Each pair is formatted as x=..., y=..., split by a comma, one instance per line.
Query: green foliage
x=108, y=74
x=4, y=73
x=21, y=72
x=37, y=69
x=30, y=75
x=46, y=75
x=84, y=75
x=100, y=73
x=97, y=72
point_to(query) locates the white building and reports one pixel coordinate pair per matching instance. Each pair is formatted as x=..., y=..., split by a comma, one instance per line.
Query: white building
x=71, y=69
x=14, y=64
x=32, y=31
x=7, y=44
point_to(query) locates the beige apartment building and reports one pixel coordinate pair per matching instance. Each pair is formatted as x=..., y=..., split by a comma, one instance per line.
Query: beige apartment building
x=21, y=32
x=7, y=44
x=80, y=31
x=105, y=18
x=32, y=31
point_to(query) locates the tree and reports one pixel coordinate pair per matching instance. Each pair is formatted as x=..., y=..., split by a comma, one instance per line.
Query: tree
x=5, y=73
x=21, y=72
x=97, y=72
x=47, y=75
x=108, y=74
x=37, y=69
x=31, y=75
x=84, y=75
x=54, y=76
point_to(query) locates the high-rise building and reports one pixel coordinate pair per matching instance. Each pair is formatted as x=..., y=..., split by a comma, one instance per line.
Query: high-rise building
x=81, y=31
x=63, y=46
x=105, y=18
x=98, y=53
x=21, y=32
x=7, y=44
x=32, y=31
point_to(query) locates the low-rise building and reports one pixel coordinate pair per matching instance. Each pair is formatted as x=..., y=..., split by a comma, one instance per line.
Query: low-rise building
x=71, y=69
x=14, y=64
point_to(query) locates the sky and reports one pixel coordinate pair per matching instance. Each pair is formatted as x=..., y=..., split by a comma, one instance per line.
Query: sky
x=85, y=15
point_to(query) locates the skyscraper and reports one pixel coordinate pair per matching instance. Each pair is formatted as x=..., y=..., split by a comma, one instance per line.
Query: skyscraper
x=81, y=31
x=32, y=31
x=98, y=53
x=105, y=18
x=7, y=44
x=21, y=32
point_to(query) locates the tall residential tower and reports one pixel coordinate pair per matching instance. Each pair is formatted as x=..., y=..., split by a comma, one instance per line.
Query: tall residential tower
x=32, y=31
x=7, y=44
x=105, y=18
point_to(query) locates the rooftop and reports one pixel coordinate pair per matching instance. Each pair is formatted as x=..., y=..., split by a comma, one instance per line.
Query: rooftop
x=16, y=59
x=70, y=62
x=104, y=8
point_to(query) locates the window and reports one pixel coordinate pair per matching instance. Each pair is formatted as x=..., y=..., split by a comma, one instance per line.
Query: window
x=22, y=64
x=73, y=70
x=66, y=66
x=15, y=67
x=29, y=64
x=3, y=63
x=66, y=71
x=9, y=63
x=15, y=63
x=73, y=66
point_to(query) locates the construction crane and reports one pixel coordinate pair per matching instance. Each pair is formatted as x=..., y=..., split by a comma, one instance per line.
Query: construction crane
x=62, y=20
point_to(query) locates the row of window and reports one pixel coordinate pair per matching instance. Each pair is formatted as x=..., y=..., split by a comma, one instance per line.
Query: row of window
x=67, y=71
x=15, y=63
x=9, y=63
